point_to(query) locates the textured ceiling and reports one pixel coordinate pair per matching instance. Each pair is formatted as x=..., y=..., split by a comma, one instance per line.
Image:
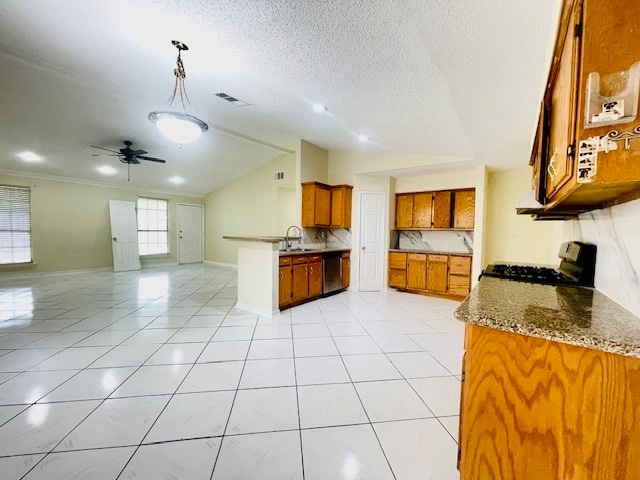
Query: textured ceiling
x=456, y=78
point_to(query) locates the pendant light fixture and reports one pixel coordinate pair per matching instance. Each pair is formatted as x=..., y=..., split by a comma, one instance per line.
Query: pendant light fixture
x=179, y=126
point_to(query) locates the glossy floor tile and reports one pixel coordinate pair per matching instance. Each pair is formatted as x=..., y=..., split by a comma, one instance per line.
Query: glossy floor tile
x=157, y=374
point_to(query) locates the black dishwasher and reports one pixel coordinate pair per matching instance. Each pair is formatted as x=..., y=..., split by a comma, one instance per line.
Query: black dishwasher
x=332, y=272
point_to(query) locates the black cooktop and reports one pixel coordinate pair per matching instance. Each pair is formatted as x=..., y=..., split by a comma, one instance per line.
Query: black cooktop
x=521, y=273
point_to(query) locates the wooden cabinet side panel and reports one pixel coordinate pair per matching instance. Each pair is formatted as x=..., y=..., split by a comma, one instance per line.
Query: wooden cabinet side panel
x=308, y=205
x=422, y=206
x=346, y=272
x=534, y=409
x=404, y=211
x=442, y=209
x=464, y=209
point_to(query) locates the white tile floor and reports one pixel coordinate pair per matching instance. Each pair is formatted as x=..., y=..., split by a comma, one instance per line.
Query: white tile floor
x=155, y=374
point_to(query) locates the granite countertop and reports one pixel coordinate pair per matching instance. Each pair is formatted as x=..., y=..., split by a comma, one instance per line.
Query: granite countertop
x=574, y=315
x=307, y=252
x=436, y=252
x=263, y=239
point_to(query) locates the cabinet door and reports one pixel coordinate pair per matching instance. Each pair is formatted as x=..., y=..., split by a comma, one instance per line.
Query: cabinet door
x=562, y=100
x=284, y=289
x=417, y=271
x=422, y=205
x=323, y=206
x=464, y=209
x=300, y=282
x=346, y=272
x=315, y=279
x=398, y=260
x=442, y=210
x=341, y=206
x=404, y=211
x=398, y=277
x=437, y=275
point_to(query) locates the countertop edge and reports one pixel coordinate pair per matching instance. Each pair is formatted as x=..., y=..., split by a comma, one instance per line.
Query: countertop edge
x=257, y=239
x=433, y=252
x=313, y=252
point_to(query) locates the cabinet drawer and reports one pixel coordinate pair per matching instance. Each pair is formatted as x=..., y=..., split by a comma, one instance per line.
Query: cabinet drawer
x=299, y=259
x=459, y=281
x=438, y=258
x=461, y=291
x=397, y=278
x=315, y=258
x=460, y=265
x=285, y=261
x=398, y=260
x=417, y=257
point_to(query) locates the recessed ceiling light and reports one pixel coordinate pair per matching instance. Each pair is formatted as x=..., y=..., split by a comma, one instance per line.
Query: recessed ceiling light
x=106, y=170
x=363, y=138
x=176, y=180
x=318, y=108
x=30, y=157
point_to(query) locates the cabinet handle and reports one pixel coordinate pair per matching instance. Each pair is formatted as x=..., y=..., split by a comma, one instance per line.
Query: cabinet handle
x=311, y=270
x=551, y=168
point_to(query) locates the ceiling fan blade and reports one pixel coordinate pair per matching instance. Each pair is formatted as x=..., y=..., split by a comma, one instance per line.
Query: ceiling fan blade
x=102, y=148
x=105, y=155
x=137, y=153
x=151, y=159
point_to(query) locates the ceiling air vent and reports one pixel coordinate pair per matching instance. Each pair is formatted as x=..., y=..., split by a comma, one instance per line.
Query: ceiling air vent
x=231, y=99
x=279, y=175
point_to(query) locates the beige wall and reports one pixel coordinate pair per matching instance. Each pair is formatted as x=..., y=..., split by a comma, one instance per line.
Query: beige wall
x=314, y=163
x=517, y=238
x=255, y=204
x=70, y=223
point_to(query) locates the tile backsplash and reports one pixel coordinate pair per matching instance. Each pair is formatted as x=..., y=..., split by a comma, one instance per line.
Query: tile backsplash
x=437, y=241
x=615, y=231
x=327, y=237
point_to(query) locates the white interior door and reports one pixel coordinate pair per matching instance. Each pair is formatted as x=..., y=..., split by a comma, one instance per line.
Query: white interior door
x=190, y=233
x=124, y=235
x=371, y=241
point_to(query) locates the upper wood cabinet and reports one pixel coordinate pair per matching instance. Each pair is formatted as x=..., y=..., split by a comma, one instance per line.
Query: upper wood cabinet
x=341, y=206
x=595, y=37
x=404, y=210
x=464, y=207
x=433, y=210
x=325, y=205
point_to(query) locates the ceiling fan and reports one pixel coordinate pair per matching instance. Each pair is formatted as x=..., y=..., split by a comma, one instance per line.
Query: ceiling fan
x=127, y=155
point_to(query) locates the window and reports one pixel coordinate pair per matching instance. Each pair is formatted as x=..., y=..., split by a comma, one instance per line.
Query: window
x=153, y=226
x=15, y=224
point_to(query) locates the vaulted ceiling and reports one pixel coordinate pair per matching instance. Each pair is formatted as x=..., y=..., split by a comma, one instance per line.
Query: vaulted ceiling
x=459, y=78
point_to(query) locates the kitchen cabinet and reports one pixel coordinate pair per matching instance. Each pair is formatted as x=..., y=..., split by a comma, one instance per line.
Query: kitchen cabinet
x=434, y=210
x=594, y=37
x=316, y=205
x=536, y=409
x=417, y=271
x=300, y=290
x=397, y=270
x=441, y=210
x=286, y=281
x=315, y=275
x=341, y=199
x=437, y=268
x=422, y=208
x=459, y=275
x=404, y=211
x=346, y=269
x=464, y=207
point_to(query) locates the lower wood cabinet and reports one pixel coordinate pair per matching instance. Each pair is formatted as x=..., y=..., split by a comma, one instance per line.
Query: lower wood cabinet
x=437, y=268
x=315, y=275
x=536, y=409
x=286, y=281
x=417, y=271
x=346, y=269
x=430, y=273
x=300, y=278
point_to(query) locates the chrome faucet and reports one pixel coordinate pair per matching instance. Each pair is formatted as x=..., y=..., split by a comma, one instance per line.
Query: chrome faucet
x=288, y=238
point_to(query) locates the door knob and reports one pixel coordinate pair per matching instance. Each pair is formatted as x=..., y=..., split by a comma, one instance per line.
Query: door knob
x=363, y=248
x=114, y=239
x=180, y=236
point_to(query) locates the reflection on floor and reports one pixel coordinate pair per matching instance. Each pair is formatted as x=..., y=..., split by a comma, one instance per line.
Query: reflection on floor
x=155, y=374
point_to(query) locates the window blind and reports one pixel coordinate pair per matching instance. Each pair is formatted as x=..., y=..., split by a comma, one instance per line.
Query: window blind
x=15, y=224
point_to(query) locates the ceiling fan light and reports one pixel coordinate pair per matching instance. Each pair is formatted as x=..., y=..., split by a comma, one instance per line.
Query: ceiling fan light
x=178, y=127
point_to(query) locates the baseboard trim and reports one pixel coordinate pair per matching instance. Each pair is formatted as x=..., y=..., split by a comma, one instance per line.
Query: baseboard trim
x=220, y=264
x=259, y=311
x=53, y=273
